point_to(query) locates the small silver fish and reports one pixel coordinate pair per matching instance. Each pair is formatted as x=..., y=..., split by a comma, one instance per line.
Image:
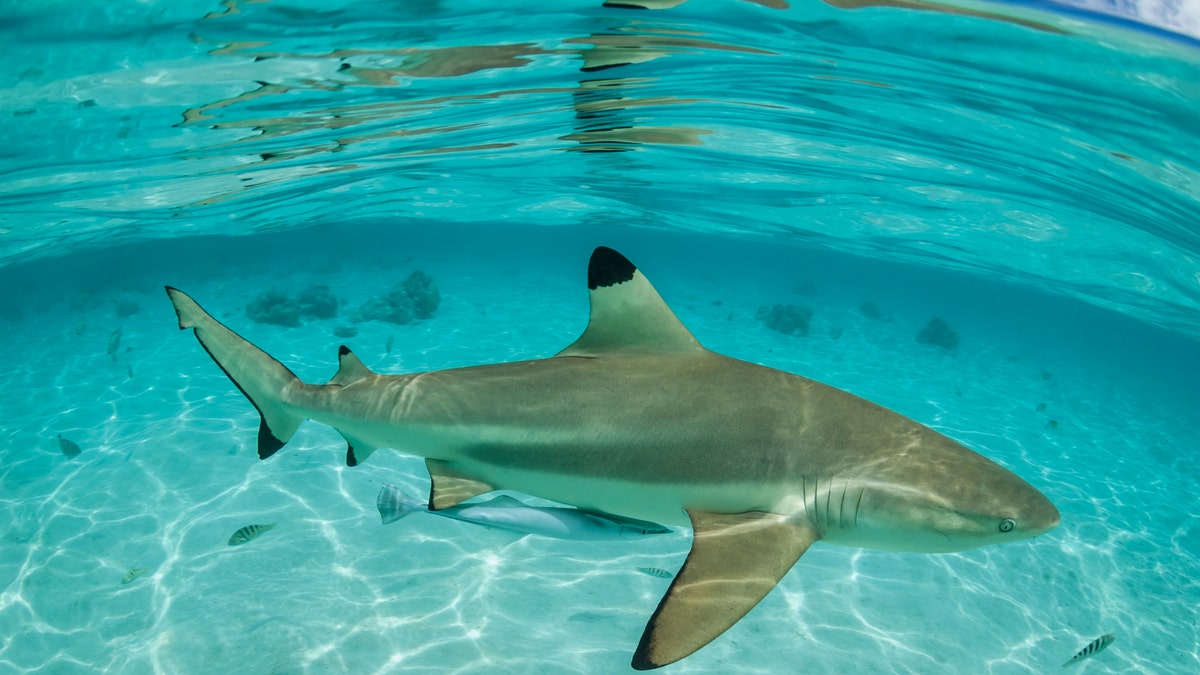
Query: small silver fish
x=114, y=343
x=1094, y=647
x=656, y=572
x=69, y=448
x=133, y=573
x=390, y=342
x=249, y=532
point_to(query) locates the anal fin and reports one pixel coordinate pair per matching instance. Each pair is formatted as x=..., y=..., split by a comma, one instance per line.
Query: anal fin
x=451, y=486
x=736, y=559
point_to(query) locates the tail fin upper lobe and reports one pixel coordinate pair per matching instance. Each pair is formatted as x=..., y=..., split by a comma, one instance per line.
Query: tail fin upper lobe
x=263, y=380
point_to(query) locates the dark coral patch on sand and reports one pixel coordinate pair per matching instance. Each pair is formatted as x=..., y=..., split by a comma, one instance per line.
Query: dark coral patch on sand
x=278, y=308
x=786, y=319
x=939, y=334
x=273, y=307
x=317, y=302
x=416, y=298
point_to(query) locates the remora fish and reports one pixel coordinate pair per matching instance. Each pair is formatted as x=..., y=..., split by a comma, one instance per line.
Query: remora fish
x=508, y=513
x=1094, y=647
x=637, y=419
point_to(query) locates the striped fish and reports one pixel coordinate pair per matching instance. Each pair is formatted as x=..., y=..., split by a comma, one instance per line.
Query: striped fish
x=1094, y=647
x=114, y=343
x=132, y=574
x=249, y=532
x=656, y=572
x=68, y=447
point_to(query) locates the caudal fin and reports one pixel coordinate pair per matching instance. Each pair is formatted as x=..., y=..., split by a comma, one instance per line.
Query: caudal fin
x=261, y=378
x=394, y=504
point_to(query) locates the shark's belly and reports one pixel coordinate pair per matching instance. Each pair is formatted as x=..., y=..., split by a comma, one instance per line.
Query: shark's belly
x=638, y=439
x=657, y=502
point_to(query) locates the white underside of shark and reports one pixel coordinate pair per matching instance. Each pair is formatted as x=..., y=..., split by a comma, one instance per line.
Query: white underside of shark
x=638, y=420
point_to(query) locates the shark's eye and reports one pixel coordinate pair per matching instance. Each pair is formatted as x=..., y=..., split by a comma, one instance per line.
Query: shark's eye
x=1007, y=525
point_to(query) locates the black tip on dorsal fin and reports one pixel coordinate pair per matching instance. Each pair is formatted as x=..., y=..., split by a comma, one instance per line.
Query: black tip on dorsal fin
x=350, y=368
x=608, y=268
x=626, y=312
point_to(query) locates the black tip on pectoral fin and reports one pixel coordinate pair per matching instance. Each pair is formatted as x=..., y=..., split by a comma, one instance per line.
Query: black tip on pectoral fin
x=608, y=268
x=640, y=662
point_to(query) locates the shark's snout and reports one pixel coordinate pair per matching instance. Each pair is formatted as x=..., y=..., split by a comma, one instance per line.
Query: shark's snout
x=1044, y=516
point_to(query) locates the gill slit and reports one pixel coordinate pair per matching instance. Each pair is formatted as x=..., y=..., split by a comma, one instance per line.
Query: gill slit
x=828, y=497
x=804, y=495
x=822, y=518
x=857, y=504
x=816, y=505
x=842, y=506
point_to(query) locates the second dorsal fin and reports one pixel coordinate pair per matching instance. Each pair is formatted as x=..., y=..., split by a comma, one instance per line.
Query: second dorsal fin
x=626, y=312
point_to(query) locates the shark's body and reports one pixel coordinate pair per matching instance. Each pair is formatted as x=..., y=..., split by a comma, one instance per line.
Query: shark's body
x=508, y=513
x=638, y=420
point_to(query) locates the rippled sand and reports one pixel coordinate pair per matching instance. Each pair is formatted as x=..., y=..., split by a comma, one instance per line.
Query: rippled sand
x=168, y=472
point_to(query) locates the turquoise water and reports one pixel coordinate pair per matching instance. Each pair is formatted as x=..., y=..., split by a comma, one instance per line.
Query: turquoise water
x=1028, y=176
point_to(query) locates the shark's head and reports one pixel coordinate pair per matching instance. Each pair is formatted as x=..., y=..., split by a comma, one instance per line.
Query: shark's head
x=953, y=500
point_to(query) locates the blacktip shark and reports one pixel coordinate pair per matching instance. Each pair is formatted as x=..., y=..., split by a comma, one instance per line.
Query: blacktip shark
x=637, y=419
x=508, y=513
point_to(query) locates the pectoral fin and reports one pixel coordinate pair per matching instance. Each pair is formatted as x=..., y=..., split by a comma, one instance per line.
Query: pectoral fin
x=451, y=486
x=736, y=559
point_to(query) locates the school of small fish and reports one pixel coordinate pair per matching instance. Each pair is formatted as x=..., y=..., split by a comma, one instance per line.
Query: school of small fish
x=245, y=534
x=1094, y=647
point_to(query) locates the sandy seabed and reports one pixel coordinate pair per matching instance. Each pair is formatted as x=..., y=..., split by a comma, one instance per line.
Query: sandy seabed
x=168, y=472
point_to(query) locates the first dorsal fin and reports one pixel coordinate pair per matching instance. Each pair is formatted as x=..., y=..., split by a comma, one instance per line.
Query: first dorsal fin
x=350, y=368
x=627, y=313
